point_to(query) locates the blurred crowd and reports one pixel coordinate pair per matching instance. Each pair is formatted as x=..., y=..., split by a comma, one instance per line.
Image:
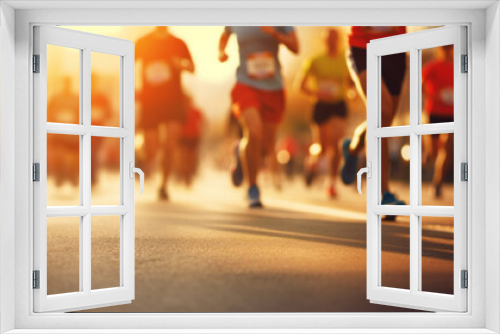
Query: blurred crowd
x=171, y=127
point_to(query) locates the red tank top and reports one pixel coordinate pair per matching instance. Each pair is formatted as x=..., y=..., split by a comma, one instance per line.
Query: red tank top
x=360, y=36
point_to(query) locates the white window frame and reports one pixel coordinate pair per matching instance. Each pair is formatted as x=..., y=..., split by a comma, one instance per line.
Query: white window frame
x=86, y=44
x=414, y=43
x=16, y=217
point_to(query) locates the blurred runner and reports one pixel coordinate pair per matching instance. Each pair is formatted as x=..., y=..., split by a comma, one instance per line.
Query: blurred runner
x=258, y=97
x=287, y=154
x=101, y=116
x=437, y=82
x=164, y=57
x=325, y=79
x=393, y=72
x=190, y=143
x=63, y=156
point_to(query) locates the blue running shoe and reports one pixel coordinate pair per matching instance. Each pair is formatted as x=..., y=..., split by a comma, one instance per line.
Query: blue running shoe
x=389, y=198
x=254, y=197
x=348, y=171
x=237, y=172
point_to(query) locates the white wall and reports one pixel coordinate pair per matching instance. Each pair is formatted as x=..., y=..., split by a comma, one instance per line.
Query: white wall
x=7, y=160
x=492, y=163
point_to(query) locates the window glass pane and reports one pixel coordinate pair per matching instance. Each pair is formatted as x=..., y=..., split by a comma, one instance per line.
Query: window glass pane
x=395, y=170
x=105, y=252
x=437, y=84
x=63, y=255
x=437, y=169
x=105, y=80
x=63, y=84
x=437, y=254
x=396, y=253
x=63, y=170
x=395, y=97
x=105, y=171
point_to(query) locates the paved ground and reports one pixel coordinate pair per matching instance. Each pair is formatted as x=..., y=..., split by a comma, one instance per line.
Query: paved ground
x=204, y=251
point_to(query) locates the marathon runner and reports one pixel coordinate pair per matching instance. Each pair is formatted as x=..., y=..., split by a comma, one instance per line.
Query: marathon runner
x=393, y=72
x=63, y=156
x=164, y=57
x=190, y=143
x=437, y=82
x=325, y=79
x=258, y=97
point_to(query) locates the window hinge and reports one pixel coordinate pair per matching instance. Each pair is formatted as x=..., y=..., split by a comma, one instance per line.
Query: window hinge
x=465, y=64
x=36, y=279
x=36, y=172
x=464, y=172
x=465, y=279
x=36, y=63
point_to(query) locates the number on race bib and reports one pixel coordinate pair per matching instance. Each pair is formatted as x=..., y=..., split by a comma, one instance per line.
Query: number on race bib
x=157, y=72
x=261, y=65
x=328, y=89
x=446, y=95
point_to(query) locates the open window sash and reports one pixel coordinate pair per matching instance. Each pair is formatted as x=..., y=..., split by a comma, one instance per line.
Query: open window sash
x=85, y=298
x=414, y=297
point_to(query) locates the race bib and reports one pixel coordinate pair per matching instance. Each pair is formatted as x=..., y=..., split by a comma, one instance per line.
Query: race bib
x=446, y=96
x=157, y=72
x=261, y=65
x=328, y=89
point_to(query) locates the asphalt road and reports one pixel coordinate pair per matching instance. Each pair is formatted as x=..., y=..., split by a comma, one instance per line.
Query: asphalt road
x=204, y=251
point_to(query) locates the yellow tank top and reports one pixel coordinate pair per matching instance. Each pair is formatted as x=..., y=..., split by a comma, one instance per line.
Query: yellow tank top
x=329, y=76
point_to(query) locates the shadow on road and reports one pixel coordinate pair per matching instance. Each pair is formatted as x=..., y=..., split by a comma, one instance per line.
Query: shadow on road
x=395, y=236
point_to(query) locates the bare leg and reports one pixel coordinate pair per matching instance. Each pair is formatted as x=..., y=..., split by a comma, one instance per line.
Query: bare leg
x=190, y=161
x=358, y=139
x=151, y=143
x=268, y=150
x=444, y=158
x=337, y=128
x=170, y=147
x=251, y=144
x=389, y=106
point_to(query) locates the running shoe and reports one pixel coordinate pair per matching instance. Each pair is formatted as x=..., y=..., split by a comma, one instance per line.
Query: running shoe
x=348, y=171
x=438, y=191
x=254, y=197
x=310, y=176
x=332, y=192
x=389, y=198
x=162, y=194
x=237, y=172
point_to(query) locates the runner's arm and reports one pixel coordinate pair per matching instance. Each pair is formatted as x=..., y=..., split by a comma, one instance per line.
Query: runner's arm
x=185, y=61
x=289, y=39
x=224, y=38
x=185, y=64
x=304, y=87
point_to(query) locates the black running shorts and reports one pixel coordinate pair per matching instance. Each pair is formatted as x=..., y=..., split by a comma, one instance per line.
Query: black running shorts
x=393, y=68
x=323, y=111
x=440, y=119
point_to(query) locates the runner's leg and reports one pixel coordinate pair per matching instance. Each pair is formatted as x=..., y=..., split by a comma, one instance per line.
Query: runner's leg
x=151, y=143
x=251, y=144
x=268, y=150
x=337, y=129
x=326, y=135
x=169, y=148
x=389, y=106
x=435, y=147
x=443, y=160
